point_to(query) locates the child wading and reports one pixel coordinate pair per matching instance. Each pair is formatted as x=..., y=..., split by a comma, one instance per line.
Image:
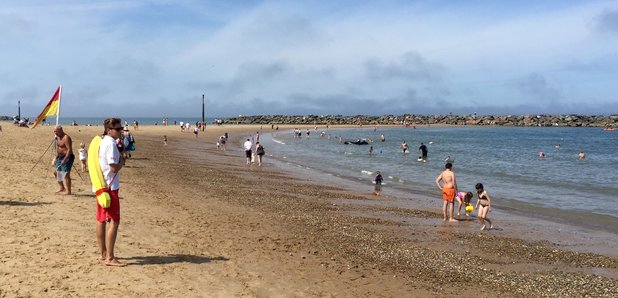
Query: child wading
x=378, y=181
x=463, y=198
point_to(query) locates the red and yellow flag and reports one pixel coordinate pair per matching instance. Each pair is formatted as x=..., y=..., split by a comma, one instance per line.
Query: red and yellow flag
x=51, y=108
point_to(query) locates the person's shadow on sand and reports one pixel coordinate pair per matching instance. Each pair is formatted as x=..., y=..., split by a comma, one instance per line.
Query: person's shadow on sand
x=177, y=258
x=18, y=203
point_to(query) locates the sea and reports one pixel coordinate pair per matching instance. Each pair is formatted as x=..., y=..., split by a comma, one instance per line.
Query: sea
x=560, y=186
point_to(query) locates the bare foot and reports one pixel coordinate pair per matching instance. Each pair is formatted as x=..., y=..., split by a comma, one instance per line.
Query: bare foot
x=482, y=228
x=458, y=214
x=114, y=263
x=453, y=220
x=60, y=191
x=444, y=219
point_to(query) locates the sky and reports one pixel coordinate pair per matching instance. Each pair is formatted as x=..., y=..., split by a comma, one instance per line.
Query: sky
x=151, y=58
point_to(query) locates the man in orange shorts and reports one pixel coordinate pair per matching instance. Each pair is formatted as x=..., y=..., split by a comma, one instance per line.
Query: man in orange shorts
x=449, y=189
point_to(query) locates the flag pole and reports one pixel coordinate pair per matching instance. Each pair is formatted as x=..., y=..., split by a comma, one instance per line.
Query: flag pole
x=59, y=101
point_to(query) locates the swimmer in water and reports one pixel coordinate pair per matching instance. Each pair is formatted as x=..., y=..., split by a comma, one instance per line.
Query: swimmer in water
x=404, y=147
x=541, y=154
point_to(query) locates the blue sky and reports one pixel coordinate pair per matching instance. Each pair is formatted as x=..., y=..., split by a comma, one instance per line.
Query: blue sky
x=156, y=58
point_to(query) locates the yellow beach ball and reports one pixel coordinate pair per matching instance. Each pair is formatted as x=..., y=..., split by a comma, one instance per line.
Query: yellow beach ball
x=469, y=208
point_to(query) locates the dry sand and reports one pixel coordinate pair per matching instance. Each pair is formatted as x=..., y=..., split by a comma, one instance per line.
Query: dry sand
x=198, y=222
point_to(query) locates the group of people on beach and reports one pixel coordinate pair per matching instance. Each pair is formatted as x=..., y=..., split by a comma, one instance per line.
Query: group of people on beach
x=258, y=154
x=447, y=183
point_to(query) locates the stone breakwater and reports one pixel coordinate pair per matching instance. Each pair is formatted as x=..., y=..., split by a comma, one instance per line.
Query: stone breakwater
x=502, y=120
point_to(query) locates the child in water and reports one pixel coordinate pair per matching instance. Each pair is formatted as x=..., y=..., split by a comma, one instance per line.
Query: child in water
x=483, y=204
x=463, y=198
x=378, y=181
x=83, y=156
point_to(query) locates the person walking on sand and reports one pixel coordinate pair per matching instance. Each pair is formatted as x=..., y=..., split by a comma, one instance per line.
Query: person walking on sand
x=83, y=156
x=63, y=162
x=449, y=189
x=259, y=151
x=247, y=145
x=111, y=162
x=483, y=205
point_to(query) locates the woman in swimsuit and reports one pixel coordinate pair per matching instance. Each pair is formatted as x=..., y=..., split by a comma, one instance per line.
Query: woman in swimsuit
x=483, y=204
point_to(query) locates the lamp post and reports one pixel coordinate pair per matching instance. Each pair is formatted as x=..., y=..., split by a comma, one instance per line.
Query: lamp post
x=203, y=120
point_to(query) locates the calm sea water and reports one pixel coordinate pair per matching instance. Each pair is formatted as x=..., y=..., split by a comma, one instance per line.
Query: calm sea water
x=504, y=159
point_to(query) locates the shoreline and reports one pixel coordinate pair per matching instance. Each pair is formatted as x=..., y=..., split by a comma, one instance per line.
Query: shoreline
x=519, y=221
x=198, y=220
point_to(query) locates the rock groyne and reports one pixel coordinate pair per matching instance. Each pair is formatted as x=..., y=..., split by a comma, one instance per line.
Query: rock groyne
x=500, y=120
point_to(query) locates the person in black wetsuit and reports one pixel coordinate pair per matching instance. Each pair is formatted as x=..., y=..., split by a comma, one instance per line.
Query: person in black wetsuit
x=424, y=151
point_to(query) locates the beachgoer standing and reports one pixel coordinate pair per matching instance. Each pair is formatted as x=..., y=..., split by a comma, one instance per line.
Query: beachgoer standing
x=423, y=150
x=382, y=138
x=63, y=162
x=449, y=188
x=483, y=204
x=247, y=145
x=111, y=162
x=196, y=131
x=259, y=151
x=370, y=150
x=83, y=156
x=404, y=147
x=378, y=181
x=165, y=140
x=129, y=142
x=222, y=140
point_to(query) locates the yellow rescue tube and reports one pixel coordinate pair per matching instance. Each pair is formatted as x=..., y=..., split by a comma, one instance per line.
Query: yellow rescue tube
x=96, y=174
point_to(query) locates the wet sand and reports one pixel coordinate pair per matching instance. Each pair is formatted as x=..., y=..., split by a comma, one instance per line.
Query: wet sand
x=197, y=221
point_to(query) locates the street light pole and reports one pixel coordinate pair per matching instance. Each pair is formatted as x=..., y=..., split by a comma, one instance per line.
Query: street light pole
x=203, y=122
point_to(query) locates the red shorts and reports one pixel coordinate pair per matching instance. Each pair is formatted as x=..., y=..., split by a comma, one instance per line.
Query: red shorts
x=448, y=194
x=113, y=212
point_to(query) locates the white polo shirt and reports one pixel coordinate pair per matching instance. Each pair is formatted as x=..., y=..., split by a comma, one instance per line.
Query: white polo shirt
x=109, y=154
x=247, y=145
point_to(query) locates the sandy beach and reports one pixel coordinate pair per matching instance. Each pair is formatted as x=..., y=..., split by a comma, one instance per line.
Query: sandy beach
x=198, y=222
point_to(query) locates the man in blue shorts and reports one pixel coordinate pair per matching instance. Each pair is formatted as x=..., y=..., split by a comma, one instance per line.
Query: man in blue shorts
x=63, y=162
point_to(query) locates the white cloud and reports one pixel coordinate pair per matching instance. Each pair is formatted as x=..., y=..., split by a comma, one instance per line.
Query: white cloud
x=275, y=54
